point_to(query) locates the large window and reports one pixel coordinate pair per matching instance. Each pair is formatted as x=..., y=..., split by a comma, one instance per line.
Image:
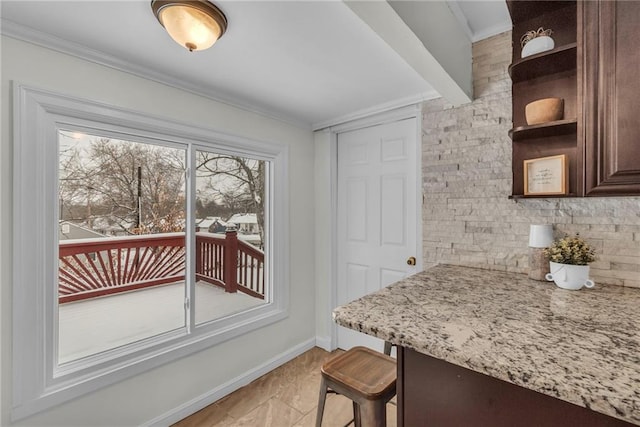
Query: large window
x=137, y=241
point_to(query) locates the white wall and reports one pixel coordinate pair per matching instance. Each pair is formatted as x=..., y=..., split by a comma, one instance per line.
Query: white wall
x=151, y=394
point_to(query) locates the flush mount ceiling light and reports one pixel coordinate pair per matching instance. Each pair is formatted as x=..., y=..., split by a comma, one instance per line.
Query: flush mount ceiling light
x=196, y=25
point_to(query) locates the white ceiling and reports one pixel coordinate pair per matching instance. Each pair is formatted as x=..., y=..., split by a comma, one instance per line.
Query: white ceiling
x=306, y=62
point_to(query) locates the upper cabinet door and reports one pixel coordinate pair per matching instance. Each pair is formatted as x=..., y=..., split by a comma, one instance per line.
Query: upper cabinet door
x=610, y=61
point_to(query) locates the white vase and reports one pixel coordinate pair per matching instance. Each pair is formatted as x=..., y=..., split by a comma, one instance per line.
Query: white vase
x=571, y=277
x=537, y=45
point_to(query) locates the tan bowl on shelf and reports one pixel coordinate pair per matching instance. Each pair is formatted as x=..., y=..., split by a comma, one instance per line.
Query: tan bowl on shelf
x=544, y=110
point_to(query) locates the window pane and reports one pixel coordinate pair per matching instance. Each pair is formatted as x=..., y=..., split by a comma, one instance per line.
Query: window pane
x=121, y=269
x=230, y=235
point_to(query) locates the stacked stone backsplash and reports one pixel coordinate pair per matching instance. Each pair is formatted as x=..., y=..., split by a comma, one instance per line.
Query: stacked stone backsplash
x=466, y=176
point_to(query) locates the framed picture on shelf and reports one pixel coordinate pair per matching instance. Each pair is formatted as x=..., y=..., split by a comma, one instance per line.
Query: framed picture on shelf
x=546, y=176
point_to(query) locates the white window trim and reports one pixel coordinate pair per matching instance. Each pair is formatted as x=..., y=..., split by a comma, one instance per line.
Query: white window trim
x=37, y=383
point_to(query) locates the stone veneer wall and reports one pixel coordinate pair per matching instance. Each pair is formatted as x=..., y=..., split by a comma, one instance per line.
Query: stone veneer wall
x=466, y=176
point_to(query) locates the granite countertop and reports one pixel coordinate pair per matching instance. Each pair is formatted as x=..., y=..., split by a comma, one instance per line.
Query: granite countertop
x=579, y=346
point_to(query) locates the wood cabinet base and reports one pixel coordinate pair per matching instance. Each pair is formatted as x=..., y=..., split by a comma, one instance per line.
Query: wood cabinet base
x=432, y=392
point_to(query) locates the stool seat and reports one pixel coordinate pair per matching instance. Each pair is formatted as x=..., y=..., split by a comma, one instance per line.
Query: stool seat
x=366, y=377
x=363, y=371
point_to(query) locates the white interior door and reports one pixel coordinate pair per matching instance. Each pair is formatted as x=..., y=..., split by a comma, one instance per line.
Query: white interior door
x=377, y=214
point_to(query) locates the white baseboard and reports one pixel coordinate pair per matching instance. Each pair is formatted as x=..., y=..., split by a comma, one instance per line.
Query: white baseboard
x=324, y=343
x=194, y=405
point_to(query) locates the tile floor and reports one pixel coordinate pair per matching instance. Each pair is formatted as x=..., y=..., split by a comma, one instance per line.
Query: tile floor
x=285, y=397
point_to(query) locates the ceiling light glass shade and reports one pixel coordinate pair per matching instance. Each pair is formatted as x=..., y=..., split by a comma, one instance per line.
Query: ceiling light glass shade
x=195, y=25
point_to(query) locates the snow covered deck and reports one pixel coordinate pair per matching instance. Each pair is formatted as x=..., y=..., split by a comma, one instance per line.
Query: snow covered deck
x=93, y=325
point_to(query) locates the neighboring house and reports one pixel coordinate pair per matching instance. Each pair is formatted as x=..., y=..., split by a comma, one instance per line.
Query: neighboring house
x=218, y=226
x=246, y=223
x=211, y=224
x=203, y=224
x=68, y=231
x=109, y=227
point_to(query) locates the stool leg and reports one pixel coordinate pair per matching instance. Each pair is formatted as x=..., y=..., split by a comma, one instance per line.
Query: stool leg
x=373, y=413
x=357, y=422
x=321, y=400
x=387, y=348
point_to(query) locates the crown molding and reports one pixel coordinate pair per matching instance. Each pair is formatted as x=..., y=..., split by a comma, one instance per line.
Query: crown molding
x=377, y=109
x=39, y=38
x=395, y=115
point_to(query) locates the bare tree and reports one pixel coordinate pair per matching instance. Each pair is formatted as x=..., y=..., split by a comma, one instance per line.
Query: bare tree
x=74, y=196
x=238, y=182
x=137, y=187
x=140, y=188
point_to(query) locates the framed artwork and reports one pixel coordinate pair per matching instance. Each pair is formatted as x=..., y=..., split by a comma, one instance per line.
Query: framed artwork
x=546, y=176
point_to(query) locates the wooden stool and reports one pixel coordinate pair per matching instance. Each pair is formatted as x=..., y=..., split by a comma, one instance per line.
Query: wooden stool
x=366, y=377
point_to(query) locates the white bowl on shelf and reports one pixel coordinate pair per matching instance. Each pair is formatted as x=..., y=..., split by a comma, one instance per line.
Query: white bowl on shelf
x=537, y=45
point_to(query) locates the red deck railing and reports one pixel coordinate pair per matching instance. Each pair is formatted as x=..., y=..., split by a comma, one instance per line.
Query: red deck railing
x=213, y=253
x=98, y=267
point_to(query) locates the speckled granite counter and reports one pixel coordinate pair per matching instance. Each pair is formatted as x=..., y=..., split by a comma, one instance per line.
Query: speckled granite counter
x=579, y=346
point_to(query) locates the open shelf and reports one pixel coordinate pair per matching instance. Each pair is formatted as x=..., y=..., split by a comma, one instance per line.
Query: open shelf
x=550, y=74
x=543, y=130
x=552, y=196
x=560, y=59
x=521, y=10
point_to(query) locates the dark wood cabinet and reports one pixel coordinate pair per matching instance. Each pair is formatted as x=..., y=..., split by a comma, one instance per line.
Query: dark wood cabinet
x=610, y=62
x=595, y=68
x=432, y=392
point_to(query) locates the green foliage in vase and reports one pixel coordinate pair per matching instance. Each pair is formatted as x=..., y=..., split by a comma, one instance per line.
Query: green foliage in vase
x=571, y=250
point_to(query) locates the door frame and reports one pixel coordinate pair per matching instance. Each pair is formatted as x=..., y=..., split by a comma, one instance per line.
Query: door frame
x=410, y=112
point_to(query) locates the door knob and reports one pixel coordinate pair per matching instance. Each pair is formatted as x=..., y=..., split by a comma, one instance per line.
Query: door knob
x=411, y=260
